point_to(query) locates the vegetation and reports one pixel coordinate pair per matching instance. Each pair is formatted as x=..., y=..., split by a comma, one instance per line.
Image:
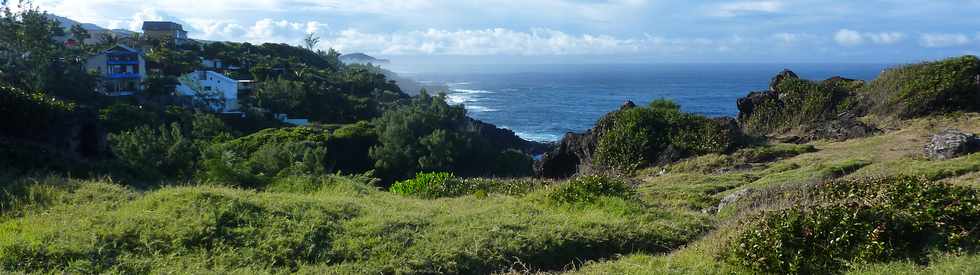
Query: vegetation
x=870, y=221
x=381, y=182
x=930, y=87
x=661, y=133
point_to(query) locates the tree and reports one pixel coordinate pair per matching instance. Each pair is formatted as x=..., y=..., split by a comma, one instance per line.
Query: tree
x=280, y=96
x=80, y=34
x=422, y=136
x=310, y=41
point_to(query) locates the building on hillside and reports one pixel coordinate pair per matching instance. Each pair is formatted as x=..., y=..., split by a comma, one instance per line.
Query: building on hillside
x=122, y=70
x=164, y=30
x=213, y=89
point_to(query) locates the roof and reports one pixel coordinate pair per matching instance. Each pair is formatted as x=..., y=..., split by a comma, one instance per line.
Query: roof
x=121, y=47
x=161, y=26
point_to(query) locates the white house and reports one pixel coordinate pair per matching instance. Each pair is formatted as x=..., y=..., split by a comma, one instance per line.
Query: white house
x=121, y=68
x=216, y=90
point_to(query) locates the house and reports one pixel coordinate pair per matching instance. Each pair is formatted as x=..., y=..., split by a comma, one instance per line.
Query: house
x=122, y=70
x=213, y=89
x=164, y=30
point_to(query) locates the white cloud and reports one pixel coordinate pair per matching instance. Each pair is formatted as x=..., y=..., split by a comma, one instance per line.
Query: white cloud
x=737, y=8
x=847, y=37
x=501, y=41
x=886, y=38
x=937, y=40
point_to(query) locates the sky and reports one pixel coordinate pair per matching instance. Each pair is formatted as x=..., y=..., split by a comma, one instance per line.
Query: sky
x=573, y=31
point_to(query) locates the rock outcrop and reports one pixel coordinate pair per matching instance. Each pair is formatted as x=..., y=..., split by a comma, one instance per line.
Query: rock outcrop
x=785, y=74
x=772, y=107
x=505, y=138
x=574, y=152
x=951, y=143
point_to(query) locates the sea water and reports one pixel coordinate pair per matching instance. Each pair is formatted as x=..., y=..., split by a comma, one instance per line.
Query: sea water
x=543, y=102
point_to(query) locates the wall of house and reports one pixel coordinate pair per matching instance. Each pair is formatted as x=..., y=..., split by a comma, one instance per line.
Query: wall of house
x=214, y=84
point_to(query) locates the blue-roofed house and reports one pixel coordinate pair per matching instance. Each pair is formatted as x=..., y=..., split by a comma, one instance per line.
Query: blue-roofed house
x=122, y=70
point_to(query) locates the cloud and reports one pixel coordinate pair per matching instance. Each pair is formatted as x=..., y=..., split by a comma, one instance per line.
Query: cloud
x=847, y=37
x=938, y=40
x=886, y=38
x=502, y=41
x=746, y=7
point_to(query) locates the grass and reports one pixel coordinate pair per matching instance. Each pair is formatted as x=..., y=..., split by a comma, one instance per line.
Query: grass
x=98, y=227
x=782, y=182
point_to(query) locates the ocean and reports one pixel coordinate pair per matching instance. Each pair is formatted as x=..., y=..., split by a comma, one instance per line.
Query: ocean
x=543, y=102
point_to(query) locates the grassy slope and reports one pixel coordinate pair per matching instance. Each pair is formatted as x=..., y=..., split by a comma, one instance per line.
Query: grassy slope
x=103, y=227
x=65, y=225
x=690, y=186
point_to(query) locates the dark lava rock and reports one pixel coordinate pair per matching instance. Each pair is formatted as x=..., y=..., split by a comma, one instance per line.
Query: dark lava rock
x=785, y=74
x=505, y=138
x=845, y=126
x=951, y=143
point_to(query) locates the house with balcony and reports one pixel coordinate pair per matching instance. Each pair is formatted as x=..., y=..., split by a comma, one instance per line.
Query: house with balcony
x=165, y=30
x=122, y=70
x=212, y=89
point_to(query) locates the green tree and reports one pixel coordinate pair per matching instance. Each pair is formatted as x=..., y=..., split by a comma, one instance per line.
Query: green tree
x=281, y=96
x=420, y=136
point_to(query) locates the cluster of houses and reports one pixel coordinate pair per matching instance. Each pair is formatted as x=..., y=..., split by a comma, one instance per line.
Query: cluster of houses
x=123, y=69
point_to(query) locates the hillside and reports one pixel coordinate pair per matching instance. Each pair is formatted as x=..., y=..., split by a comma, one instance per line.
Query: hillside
x=812, y=177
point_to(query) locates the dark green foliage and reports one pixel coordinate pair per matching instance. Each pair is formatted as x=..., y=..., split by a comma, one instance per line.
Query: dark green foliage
x=122, y=116
x=27, y=115
x=429, y=135
x=152, y=153
x=31, y=60
x=513, y=163
x=637, y=137
x=865, y=221
x=931, y=87
x=280, y=96
x=588, y=189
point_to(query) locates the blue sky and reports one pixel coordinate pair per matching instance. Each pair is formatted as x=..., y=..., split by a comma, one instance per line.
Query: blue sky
x=574, y=30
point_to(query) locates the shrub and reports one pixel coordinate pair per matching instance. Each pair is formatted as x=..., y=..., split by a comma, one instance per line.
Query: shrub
x=637, y=137
x=864, y=221
x=799, y=103
x=29, y=114
x=931, y=87
x=156, y=153
x=587, y=189
x=119, y=117
x=429, y=185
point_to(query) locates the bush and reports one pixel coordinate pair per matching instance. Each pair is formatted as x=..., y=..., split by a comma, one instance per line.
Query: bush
x=119, y=117
x=588, y=189
x=865, y=221
x=926, y=88
x=638, y=137
x=29, y=114
x=429, y=185
x=256, y=160
x=156, y=153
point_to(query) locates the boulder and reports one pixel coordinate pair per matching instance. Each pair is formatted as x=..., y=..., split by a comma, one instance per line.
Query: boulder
x=730, y=200
x=951, y=143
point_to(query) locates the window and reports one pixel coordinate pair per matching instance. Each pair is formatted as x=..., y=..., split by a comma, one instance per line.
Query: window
x=207, y=88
